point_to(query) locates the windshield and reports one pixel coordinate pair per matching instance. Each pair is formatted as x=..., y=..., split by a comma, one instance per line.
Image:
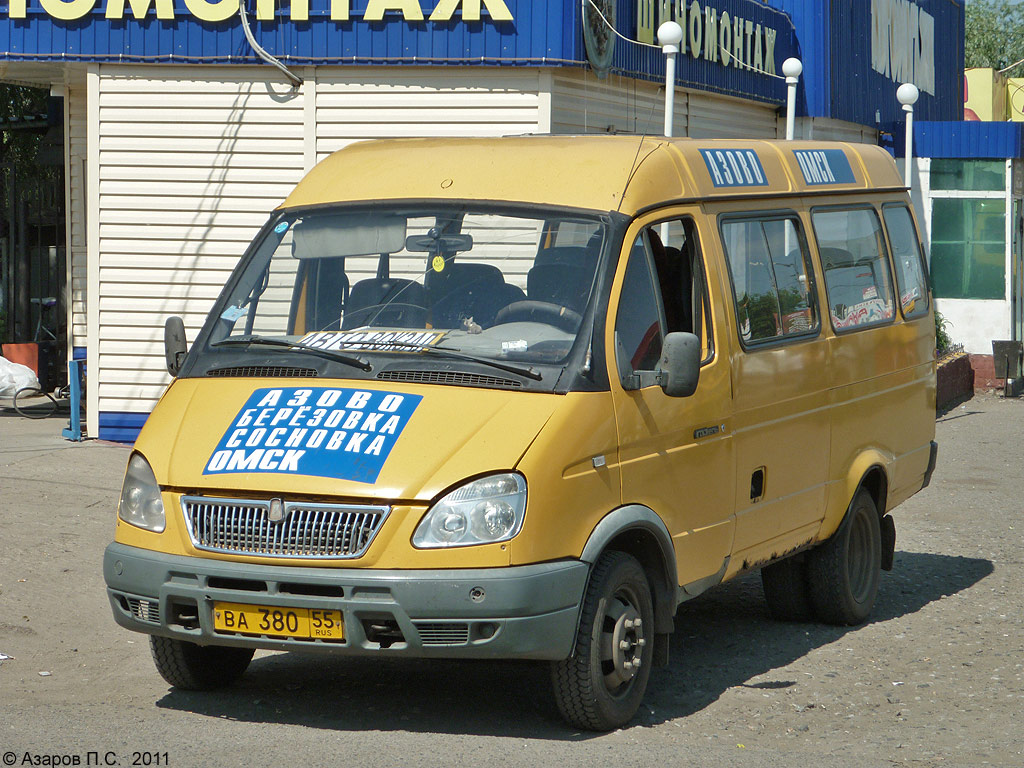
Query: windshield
x=369, y=285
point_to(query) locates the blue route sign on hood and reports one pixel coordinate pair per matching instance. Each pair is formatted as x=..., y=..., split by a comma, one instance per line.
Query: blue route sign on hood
x=317, y=431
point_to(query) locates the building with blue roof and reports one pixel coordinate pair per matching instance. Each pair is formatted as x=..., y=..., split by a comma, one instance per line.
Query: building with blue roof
x=180, y=135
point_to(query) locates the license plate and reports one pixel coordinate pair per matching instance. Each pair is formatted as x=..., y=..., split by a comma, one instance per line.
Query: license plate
x=274, y=621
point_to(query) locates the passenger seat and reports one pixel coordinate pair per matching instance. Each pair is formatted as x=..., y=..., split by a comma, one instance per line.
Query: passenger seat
x=390, y=302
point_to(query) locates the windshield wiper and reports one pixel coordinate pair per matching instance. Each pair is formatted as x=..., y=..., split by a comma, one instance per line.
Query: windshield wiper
x=240, y=341
x=449, y=352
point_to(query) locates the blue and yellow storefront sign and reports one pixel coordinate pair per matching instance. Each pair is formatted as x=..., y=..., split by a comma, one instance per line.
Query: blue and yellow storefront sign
x=298, y=10
x=731, y=46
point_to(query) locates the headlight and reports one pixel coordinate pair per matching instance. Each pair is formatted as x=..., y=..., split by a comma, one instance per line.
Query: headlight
x=480, y=512
x=140, y=502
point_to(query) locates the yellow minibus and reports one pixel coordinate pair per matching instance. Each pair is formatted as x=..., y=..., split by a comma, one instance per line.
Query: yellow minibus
x=522, y=397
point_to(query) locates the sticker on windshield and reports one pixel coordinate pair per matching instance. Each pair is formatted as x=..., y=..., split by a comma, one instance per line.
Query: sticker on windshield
x=385, y=340
x=341, y=433
x=231, y=314
x=282, y=227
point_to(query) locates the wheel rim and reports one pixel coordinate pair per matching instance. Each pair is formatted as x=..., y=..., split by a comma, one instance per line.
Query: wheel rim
x=861, y=558
x=622, y=641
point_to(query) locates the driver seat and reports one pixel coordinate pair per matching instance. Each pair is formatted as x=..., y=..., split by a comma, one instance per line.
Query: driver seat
x=556, y=283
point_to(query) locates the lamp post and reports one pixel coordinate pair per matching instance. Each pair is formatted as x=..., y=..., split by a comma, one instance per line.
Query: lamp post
x=791, y=68
x=670, y=34
x=907, y=95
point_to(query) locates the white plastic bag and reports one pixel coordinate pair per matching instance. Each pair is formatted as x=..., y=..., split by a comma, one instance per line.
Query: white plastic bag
x=14, y=377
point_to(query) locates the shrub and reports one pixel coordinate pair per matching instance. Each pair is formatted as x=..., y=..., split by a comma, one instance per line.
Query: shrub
x=942, y=339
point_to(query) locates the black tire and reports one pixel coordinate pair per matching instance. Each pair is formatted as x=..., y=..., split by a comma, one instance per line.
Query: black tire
x=786, y=590
x=844, y=572
x=27, y=404
x=601, y=685
x=194, y=667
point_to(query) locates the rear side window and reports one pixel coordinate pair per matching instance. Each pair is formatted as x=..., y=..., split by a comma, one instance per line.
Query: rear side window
x=853, y=257
x=908, y=260
x=770, y=278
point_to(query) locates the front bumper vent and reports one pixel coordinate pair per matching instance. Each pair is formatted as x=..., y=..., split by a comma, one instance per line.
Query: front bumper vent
x=144, y=610
x=305, y=530
x=442, y=633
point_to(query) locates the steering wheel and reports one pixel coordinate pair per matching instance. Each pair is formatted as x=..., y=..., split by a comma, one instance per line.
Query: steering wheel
x=545, y=312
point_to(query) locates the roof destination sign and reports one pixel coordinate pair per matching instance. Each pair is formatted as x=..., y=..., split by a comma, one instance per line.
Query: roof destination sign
x=298, y=10
x=824, y=166
x=734, y=168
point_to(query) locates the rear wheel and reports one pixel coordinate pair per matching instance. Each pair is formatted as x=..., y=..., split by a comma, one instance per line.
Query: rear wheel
x=194, y=667
x=844, y=572
x=601, y=686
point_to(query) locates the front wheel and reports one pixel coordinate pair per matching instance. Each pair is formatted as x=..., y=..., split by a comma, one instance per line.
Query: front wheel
x=601, y=685
x=844, y=572
x=192, y=667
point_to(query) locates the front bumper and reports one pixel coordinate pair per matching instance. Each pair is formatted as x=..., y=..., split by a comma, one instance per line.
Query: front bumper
x=524, y=612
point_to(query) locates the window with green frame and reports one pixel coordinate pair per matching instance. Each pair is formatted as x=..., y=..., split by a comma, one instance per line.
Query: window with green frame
x=969, y=175
x=969, y=248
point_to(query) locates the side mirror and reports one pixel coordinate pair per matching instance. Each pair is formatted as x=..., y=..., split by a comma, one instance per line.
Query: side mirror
x=679, y=367
x=175, y=344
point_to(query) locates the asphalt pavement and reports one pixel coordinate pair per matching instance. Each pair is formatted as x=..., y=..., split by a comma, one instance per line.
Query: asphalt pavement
x=936, y=678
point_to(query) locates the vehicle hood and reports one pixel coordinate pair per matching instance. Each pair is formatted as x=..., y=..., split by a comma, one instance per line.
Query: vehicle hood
x=349, y=439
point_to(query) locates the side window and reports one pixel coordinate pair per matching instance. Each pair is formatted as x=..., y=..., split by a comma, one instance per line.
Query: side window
x=853, y=257
x=908, y=260
x=679, y=273
x=664, y=291
x=638, y=323
x=770, y=278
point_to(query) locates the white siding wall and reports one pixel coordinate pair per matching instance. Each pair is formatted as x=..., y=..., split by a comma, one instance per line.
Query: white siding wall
x=182, y=165
x=190, y=161
x=75, y=105
x=722, y=117
x=583, y=104
x=353, y=104
x=827, y=129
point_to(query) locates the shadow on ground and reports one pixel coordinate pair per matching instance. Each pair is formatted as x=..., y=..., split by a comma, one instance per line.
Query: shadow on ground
x=722, y=639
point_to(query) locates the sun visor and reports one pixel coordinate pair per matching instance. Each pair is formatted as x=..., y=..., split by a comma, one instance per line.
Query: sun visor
x=321, y=237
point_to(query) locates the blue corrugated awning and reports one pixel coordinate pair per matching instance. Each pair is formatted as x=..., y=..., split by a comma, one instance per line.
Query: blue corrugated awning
x=964, y=140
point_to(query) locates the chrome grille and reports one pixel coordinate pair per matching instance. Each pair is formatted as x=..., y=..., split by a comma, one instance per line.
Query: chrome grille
x=307, y=530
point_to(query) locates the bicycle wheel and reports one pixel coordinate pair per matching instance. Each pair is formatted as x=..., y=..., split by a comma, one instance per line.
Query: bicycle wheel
x=34, y=403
